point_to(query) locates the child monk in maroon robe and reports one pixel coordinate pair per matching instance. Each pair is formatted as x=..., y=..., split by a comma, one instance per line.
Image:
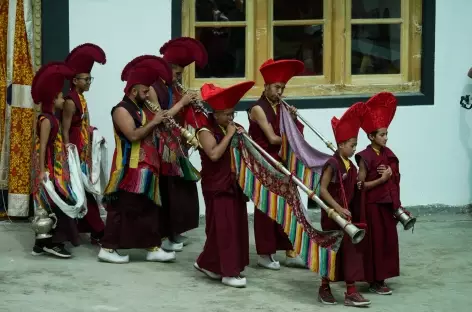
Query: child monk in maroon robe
x=76, y=125
x=226, y=251
x=338, y=184
x=46, y=89
x=264, y=119
x=379, y=169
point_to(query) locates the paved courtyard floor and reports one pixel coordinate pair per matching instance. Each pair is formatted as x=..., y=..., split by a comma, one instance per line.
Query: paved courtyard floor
x=436, y=276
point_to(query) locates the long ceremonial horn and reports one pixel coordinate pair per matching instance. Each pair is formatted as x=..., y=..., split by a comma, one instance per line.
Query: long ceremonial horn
x=171, y=123
x=401, y=214
x=353, y=231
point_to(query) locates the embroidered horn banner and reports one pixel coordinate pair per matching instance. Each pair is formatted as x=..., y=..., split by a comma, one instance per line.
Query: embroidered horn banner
x=277, y=196
x=304, y=161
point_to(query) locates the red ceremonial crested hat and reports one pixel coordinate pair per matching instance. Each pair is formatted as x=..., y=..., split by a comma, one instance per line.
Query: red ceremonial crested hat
x=348, y=126
x=280, y=71
x=145, y=76
x=224, y=98
x=158, y=68
x=161, y=66
x=82, y=58
x=48, y=82
x=184, y=51
x=380, y=111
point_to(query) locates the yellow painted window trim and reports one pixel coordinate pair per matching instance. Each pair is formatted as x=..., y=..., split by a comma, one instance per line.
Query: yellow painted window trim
x=337, y=78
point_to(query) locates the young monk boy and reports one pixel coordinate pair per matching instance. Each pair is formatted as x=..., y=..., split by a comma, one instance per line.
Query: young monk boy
x=379, y=170
x=50, y=158
x=226, y=250
x=338, y=184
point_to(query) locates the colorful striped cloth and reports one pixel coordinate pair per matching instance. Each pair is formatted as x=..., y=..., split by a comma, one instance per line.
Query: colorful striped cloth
x=277, y=196
x=304, y=161
x=60, y=177
x=308, y=176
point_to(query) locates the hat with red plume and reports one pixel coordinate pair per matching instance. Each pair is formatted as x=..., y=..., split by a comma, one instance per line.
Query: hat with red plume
x=48, y=82
x=224, y=98
x=162, y=67
x=348, y=126
x=280, y=71
x=380, y=111
x=159, y=68
x=184, y=51
x=82, y=58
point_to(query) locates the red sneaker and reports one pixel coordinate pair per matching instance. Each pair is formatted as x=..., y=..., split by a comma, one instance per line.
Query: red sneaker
x=325, y=296
x=380, y=288
x=355, y=300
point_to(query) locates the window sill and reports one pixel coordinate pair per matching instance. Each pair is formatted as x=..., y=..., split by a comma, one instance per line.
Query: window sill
x=343, y=101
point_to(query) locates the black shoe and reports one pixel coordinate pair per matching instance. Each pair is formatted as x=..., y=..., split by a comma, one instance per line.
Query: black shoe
x=58, y=251
x=37, y=250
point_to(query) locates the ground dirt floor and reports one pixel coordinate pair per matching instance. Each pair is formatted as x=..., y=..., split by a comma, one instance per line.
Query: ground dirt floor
x=436, y=275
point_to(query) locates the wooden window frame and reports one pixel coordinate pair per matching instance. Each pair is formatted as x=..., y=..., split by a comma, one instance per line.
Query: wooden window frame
x=417, y=52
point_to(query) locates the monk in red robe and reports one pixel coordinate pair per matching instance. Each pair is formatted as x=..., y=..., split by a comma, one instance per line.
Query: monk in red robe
x=379, y=169
x=46, y=89
x=338, y=184
x=264, y=120
x=180, y=209
x=76, y=125
x=226, y=250
x=132, y=193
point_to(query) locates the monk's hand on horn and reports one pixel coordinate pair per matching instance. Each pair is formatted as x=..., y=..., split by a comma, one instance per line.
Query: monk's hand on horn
x=186, y=99
x=231, y=129
x=293, y=111
x=344, y=213
x=159, y=117
x=240, y=130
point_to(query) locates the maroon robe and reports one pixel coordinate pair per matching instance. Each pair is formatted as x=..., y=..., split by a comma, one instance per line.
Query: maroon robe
x=349, y=259
x=92, y=222
x=66, y=228
x=226, y=250
x=180, y=211
x=132, y=219
x=269, y=235
x=381, y=259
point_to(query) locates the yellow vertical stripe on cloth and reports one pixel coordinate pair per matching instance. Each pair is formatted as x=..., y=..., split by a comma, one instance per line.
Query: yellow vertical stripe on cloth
x=22, y=119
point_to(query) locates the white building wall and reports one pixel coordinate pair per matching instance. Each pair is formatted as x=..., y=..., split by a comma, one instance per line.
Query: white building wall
x=434, y=143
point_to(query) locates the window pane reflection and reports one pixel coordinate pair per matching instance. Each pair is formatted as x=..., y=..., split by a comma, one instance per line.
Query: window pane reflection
x=298, y=9
x=220, y=10
x=375, y=49
x=376, y=9
x=226, y=47
x=304, y=43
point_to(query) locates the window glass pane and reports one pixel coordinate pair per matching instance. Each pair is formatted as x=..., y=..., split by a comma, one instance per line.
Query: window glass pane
x=376, y=9
x=226, y=47
x=375, y=49
x=298, y=9
x=304, y=43
x=220, y=10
